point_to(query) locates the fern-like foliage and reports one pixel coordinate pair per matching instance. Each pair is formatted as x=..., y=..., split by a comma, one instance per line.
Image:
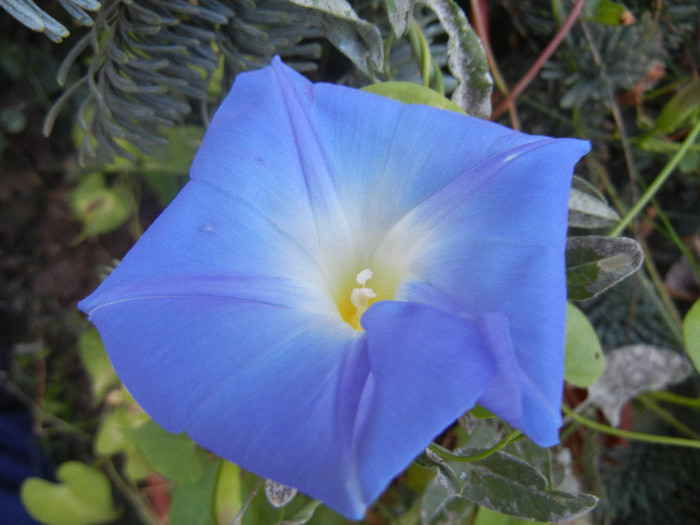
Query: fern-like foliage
x=621, y=49
x=35, y=18
x=151, y=62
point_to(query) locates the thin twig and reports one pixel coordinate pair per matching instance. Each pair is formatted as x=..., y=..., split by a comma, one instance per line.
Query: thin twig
x=479, y=15
x=535, y=68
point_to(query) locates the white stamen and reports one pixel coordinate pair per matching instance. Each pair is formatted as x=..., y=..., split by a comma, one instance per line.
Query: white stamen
x=364, y=276
x=359, y=297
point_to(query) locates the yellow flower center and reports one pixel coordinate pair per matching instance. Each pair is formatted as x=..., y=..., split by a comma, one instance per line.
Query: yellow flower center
x=356, y=296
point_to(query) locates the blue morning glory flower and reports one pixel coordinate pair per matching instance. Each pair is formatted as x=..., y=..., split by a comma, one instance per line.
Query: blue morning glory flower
x=343, y=276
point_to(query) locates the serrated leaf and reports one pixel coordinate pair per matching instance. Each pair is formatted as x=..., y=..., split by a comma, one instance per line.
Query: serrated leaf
x=97, y=363
x=509, y=485
x=584, y=361
x=633, y=370
x=175, y=456
x=83, y=496
x=595, y=263
x=588, y=208
x=358, y=39
x=410, y=93
x=691, y=334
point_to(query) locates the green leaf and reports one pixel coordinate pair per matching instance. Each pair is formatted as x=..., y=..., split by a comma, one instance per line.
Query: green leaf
x=358, y=40
x=584, y=356
x=410, y=93
x=193, y=503
x=440, y=508
x=609, y=13
x=679, y=109
x=486, y=516
x=175, y=456
x=588, y=208
x=509, y=485
x=533, y=454
x=83, y=496
x=466, y=57
x=595, y=263
x=227, y=499
x=115, y=436
x=691, y=334
x=97, y=363
x=633, y=370
x=101, y=209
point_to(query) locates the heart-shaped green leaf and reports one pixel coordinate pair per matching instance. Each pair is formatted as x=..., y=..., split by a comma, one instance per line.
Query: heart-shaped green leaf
x=584, y=356
x=83, y=496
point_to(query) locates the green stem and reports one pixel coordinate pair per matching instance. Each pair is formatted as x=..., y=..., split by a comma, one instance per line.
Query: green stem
x=668, y=397
x=629, y=434
x=421, y=48
x=446, y=454
x=664, y=414
x=658, y=182
x=131, y=493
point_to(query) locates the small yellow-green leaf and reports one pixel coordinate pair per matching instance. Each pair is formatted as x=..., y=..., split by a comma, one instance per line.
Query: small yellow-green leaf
x=486, y=516
x=584, y=356
x=677, y=110
x=691, y=333
x=97, y=363
x=410, y=93
x=227, y=499
x=83, y=496
x=115, y=436
x=101, y=209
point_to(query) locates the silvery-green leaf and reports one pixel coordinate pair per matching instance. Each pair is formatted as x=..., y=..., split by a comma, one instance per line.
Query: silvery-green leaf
x=633, y=370
x=359, y=40
x=445, y=476
x=588, y=208
x=277, y=494
x=440, y=508
x=303, y=515
x=466, y=57
x=508, y=484
x=595, y=263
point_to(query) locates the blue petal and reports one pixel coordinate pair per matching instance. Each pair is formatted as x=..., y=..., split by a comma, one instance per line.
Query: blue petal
x=221, y=319
x=304, y=400
x=493, y=241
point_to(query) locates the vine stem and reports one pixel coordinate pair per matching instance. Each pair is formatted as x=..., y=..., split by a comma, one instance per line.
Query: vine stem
x=446, y=454
x=535, y=68
x=658, y=182
x=630, y=434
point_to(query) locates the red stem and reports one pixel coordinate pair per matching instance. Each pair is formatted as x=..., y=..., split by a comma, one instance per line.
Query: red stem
x=535, y=68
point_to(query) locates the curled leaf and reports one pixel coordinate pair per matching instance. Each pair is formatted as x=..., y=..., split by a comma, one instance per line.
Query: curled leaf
x=595, y=263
